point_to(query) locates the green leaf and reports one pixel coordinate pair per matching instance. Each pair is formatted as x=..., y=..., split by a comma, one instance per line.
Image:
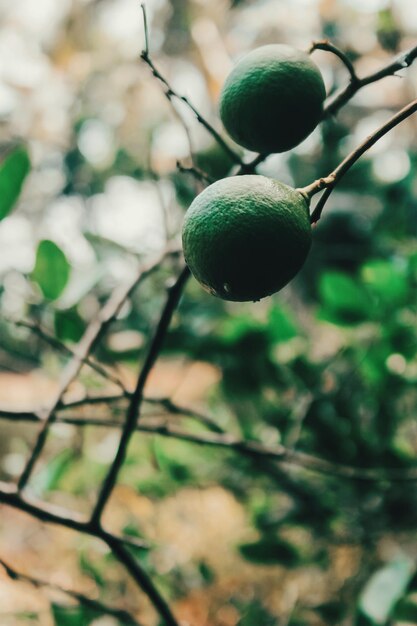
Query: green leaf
x=406, y=611
x=13, y=171
x=255, y=614
x=235, y=328
x=383, y=590
x=27, y=616
x=342, y=297
x=69, y=325
x=412, y=585
x=281, y=326
x=72, y=615
x=168, y=463
x=412, y=265
x=50, y=476
x=269, y=551
x=51, y=270
x=386, y=281
x=207, y=573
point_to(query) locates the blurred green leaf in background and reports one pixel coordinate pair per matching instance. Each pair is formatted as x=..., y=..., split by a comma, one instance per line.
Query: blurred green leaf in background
x=52, y=269
x=13, y=171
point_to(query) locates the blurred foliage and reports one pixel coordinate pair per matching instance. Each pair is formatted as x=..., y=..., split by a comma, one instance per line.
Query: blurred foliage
x=14, y=168
x=51, y=271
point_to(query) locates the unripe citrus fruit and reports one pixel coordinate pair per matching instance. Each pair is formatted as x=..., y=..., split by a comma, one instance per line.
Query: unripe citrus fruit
x=272, y=99
x=245, y=237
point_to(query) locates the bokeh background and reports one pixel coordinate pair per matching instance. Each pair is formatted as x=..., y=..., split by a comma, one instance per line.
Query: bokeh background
x=327, y=366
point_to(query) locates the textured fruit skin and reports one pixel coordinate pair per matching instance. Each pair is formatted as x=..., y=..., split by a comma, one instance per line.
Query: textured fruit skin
x=272, y=99
x=246, y=237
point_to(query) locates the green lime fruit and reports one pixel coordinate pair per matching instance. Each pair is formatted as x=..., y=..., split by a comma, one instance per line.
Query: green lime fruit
x=272, y=99
x=246, y=237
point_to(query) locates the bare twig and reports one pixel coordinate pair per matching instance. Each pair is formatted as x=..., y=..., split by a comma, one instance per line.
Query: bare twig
x=90, y=338
x=137, y=396
x=329, y=182
x=327, y=46
x=172, y=93
x=285, y=455
x=53, y=514
x=145, y=27
x=88, y=400
x=340, y=98
x=278, y=453
x=144, y=581
x=100, y=607
x=10, y=496
x=62, y=347
x=195, y=171
x=175, y=409
x=166, y=404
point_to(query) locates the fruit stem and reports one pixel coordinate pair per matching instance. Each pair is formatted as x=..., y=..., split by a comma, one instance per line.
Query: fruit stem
x=329, y=182
x=315, y=187
x=145, y=28
x=327, y=46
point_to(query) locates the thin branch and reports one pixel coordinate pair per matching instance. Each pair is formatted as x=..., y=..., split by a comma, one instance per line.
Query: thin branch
x=145, y=27
x=92, y=334
x=166, y=404
x=285, y=455
x=62, y=347
x=100, y=607
x=137, y=396
x=196, y=172
x=175, y=409
x=20, y=416
x=171, y=93
x=53, y=514
x=329, y=182
x=327, y=46
x=10, y=496
x=340, y=98
x=88, y=400
x=249, y=168
x=280, y=454
x=144, y=581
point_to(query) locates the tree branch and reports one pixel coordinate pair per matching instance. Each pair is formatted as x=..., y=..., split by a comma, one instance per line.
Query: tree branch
x=120, y=614
x=92, y=334
x=53, y=514
x=249, y=168
x=10, y=496
x=143, y=580
x=278, y=453
x=329, y=182
x=195, y=171
x=166, y=404
x=174, y=409
x=327, y=46
x=62, y=347
x=340, y=98
x=172, y=93
x=137, y=396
